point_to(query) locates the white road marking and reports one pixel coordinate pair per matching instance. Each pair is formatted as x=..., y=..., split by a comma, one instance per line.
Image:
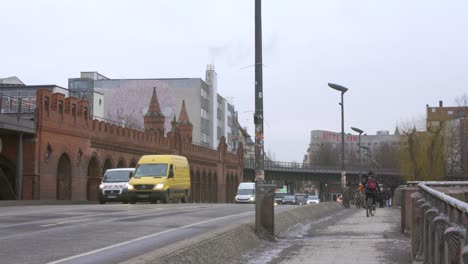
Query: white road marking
x=142, y=238
x=66, y=222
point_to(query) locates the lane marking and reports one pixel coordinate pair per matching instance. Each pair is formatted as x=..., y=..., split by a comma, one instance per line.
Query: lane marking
x=142, y=238
x=137, y=212
x=66, y=222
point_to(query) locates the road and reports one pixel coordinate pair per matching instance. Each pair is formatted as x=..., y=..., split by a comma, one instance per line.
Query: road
x=109, y=233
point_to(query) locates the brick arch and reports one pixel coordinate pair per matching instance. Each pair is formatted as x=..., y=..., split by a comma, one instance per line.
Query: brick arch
x=133, y=163
x=196, y=187
x=93, y=177
x=203, y=187
x=209, y=185
x=108, y=164
x=64, y=178
x=8, y=187
x=192, y=185
x=121, y=163
x=215, y=187
x=230, y=188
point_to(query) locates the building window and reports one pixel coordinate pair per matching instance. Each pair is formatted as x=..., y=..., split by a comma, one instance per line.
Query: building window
x=204, y=113
x=204, y=137
x=450, y=112
x=204, y=94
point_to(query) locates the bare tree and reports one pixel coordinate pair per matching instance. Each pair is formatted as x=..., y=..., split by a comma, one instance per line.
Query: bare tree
x=453, y=148
x=326, y=155
x=462, y=100
x=386, y=155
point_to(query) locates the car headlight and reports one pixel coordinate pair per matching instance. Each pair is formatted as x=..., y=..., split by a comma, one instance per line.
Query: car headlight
x=159, y=186
x=129, y=187
x=101, y=186
x=252, y=198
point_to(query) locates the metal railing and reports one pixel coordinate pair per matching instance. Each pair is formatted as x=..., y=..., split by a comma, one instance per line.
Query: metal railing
x=439, y=223
x=15, y=105
x=249, y=163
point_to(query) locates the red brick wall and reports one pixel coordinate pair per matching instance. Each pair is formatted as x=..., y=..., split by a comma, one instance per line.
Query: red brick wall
x=81, y=139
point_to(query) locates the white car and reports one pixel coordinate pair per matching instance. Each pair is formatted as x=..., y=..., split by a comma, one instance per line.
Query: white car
x=312, y=199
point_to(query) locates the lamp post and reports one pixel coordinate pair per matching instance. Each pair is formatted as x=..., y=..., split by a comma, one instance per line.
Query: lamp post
x=360, y=131
x=343, y=90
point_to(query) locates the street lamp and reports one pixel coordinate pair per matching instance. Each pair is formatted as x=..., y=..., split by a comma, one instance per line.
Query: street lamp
x=360, y=131
x=342, y=90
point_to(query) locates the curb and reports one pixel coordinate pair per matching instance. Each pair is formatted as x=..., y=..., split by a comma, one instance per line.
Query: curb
x=227, y=244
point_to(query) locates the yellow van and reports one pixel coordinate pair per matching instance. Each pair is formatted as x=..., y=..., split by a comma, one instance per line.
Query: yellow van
x=160, y=177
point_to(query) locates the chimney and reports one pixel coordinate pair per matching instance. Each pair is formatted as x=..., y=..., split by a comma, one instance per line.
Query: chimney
x=441, y=103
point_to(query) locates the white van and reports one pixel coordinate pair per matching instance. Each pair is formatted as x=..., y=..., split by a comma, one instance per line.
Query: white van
x=245, y=192
x=113, y=187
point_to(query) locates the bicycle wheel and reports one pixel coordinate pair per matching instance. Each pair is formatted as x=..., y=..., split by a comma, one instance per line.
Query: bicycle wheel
x=368, y=206
x=372, y=207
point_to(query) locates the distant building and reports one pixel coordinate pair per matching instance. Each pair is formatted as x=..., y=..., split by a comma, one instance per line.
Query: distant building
x=127, y=100
x=9, y=92
x=454, y=121
x=10, y=81
x=325, y=147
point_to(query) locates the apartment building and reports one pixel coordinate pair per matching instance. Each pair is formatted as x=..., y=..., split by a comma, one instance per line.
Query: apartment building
x=325, y=148
x=127, y=100
x=453, y=121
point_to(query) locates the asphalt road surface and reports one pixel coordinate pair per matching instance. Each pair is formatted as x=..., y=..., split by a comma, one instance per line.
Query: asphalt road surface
x=109, y=233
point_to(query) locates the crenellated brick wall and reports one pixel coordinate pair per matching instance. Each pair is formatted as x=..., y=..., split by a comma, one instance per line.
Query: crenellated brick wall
x=71, y=151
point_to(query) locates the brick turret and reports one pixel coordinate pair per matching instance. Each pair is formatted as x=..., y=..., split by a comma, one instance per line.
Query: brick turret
x=154, y=118
x=184, y=125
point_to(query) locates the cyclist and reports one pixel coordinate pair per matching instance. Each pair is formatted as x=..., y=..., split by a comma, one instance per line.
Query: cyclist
x=371, y=187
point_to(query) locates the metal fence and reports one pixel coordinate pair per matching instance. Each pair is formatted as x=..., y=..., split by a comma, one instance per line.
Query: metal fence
x=439, y=222
x=15, y=105
x=249, y=163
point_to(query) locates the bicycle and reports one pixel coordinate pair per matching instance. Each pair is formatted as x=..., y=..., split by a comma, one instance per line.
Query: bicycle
x=357, y=200
x=370, y=206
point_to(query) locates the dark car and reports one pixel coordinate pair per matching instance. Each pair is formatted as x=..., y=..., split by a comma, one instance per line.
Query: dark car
x=289, y=199
x=301, y=198
x=279, y=197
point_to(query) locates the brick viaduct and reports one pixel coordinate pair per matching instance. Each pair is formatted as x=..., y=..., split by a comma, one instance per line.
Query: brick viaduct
x=69, y=152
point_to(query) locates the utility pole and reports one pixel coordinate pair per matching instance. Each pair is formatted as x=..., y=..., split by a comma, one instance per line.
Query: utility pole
x=258, y=115
x=264, y=193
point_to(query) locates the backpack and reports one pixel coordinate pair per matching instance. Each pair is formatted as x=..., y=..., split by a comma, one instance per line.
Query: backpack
x=371, y=184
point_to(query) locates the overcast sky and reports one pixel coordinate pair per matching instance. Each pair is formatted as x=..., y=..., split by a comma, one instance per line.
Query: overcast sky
x=394, y=56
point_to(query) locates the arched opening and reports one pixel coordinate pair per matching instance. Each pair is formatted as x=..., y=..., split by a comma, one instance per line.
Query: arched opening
x=133, y=163
x=210, y=188
x=121, y=164
x=192, y=186
x=7, y=179
x=215, y=188
x=94, y=178
x=64, y=179
x=196, y=193
x=203, y=188
x=107, y=165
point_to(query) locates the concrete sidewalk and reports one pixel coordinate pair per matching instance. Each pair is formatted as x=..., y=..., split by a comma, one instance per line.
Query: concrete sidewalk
x=346, y=236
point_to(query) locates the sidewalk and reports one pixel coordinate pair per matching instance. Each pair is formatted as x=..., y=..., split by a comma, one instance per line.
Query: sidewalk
x=347, y=236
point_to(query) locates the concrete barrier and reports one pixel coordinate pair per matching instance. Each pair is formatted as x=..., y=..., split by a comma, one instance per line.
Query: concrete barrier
x=229, y=243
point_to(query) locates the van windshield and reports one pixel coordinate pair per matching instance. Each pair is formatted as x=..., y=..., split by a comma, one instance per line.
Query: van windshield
x=245, y=191
x=116, y=176
x=151, y=170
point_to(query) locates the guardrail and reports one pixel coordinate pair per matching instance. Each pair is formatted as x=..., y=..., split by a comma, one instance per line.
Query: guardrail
x=439, y=223
x=15, y=105
x=249, y=163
